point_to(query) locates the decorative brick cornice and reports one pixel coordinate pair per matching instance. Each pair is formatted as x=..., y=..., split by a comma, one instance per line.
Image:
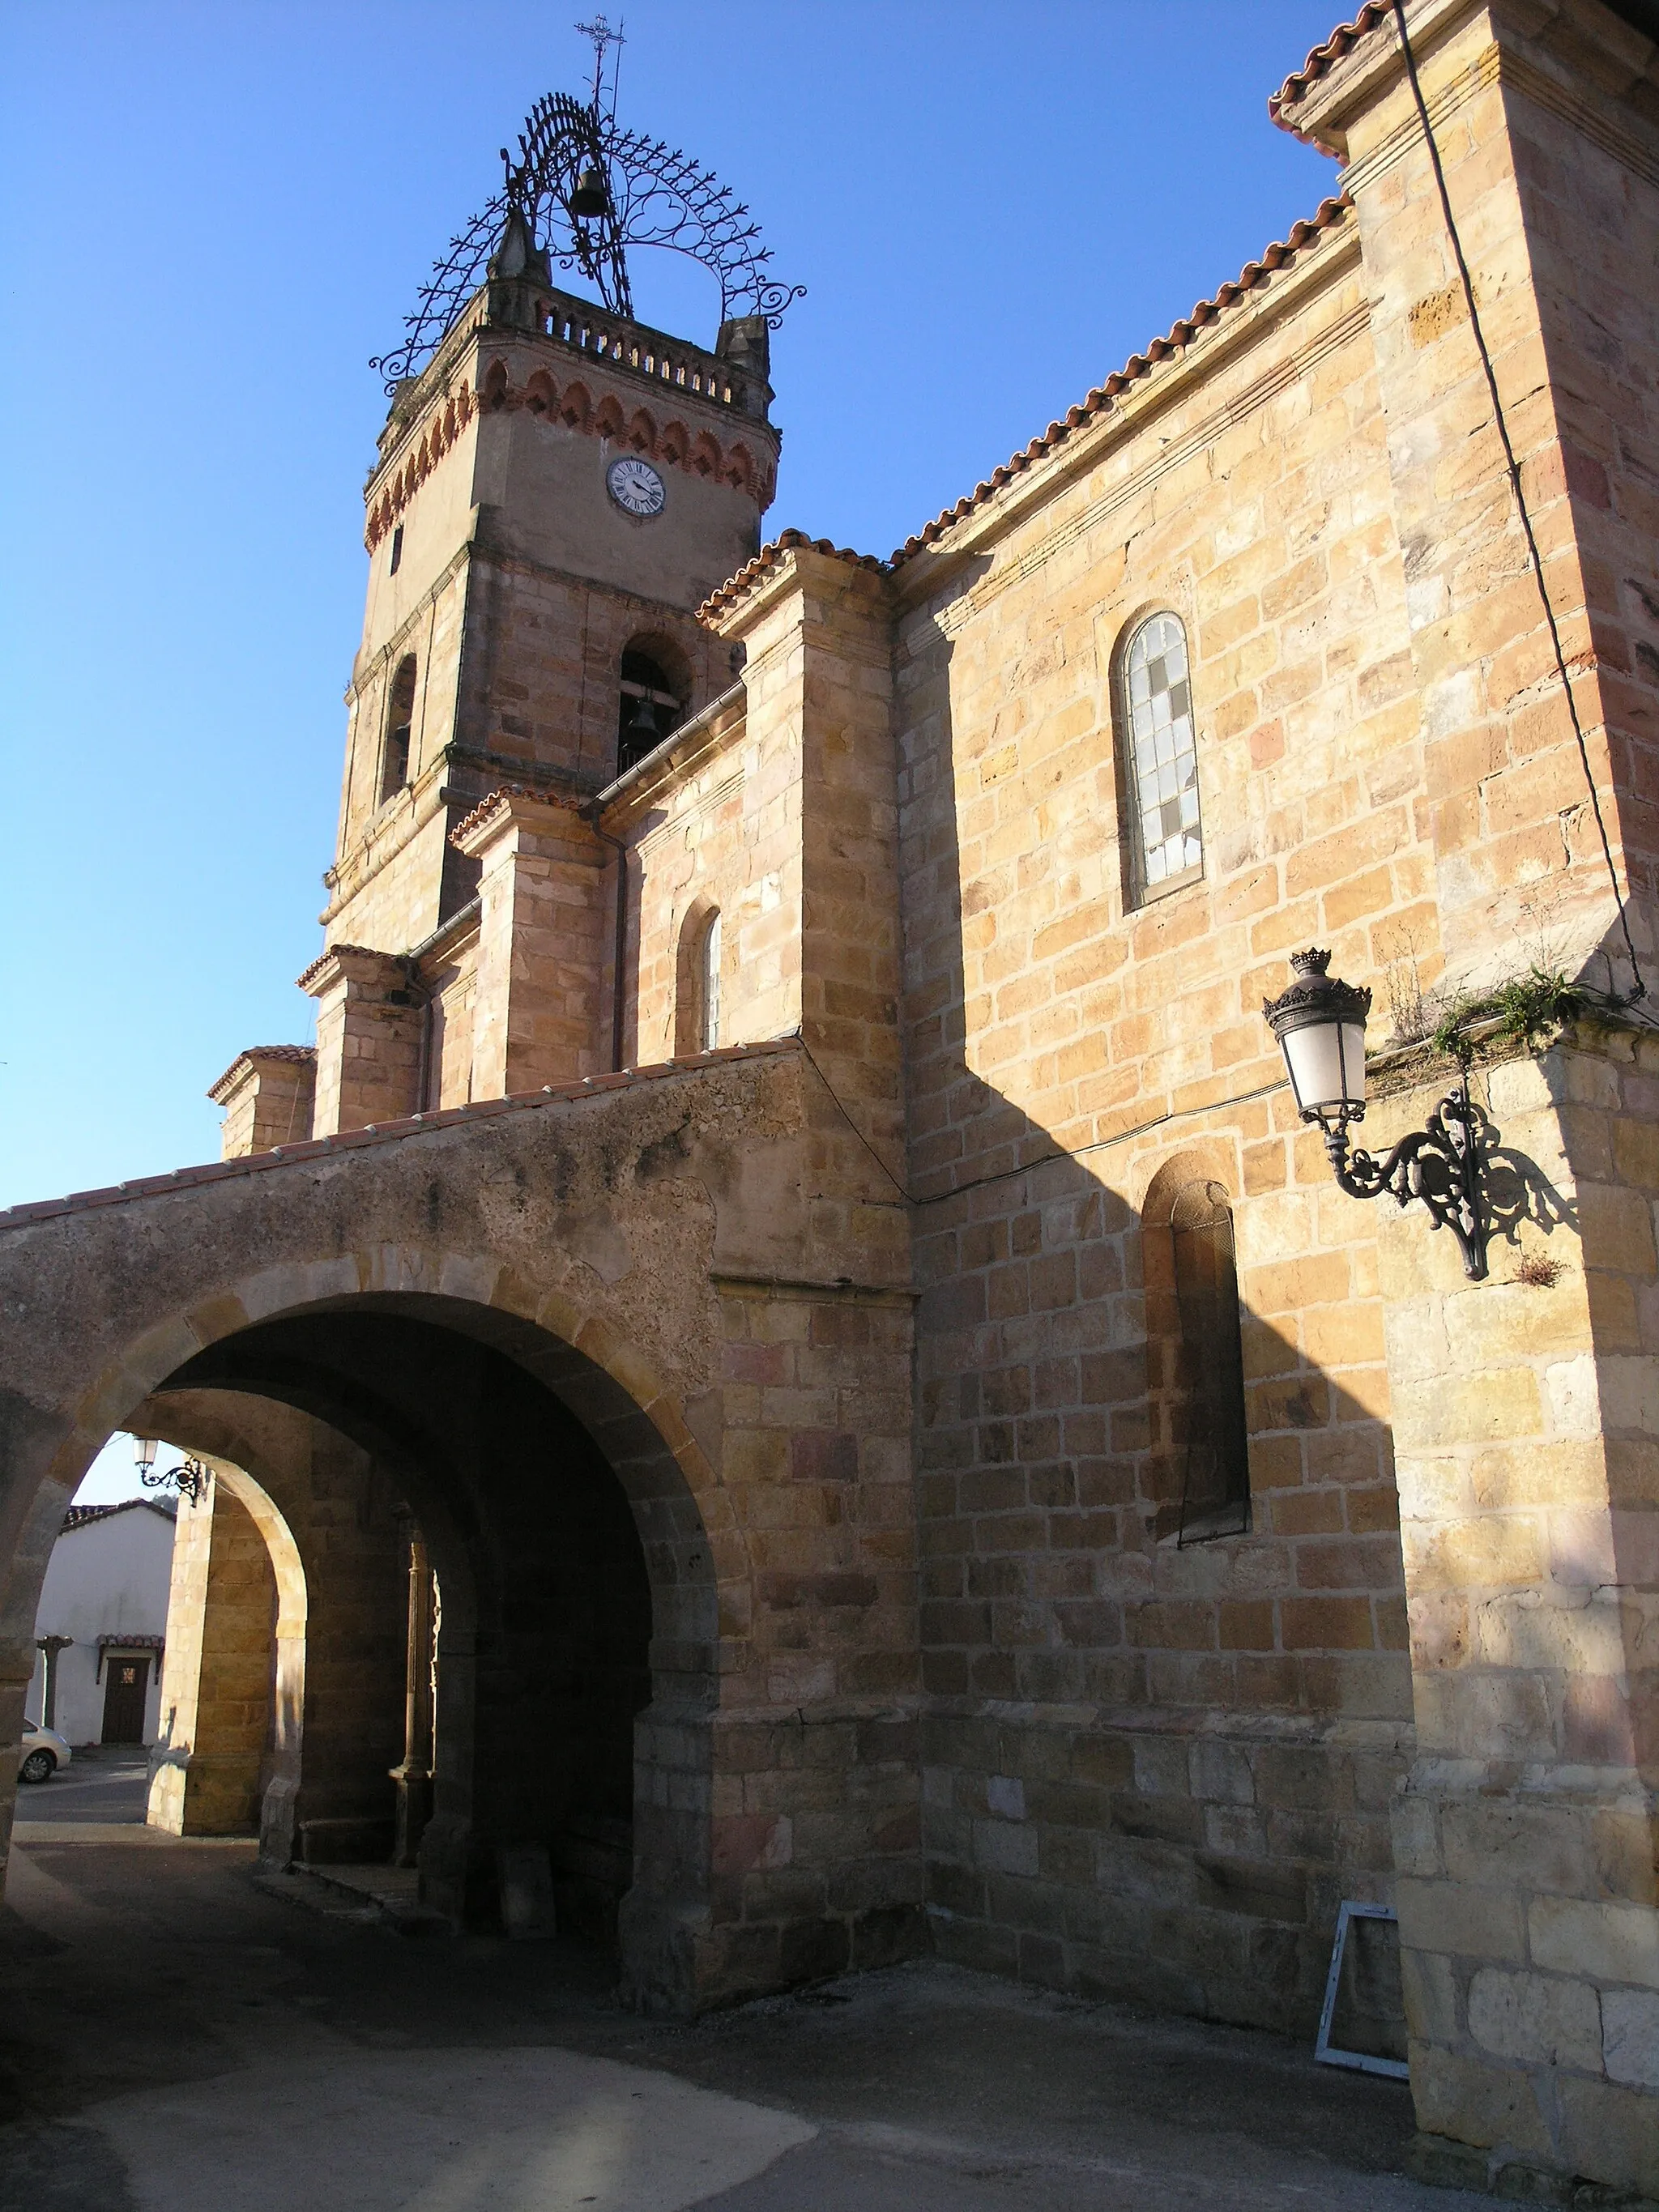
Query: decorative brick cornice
x=448, y=423
x=383, y=1132
x=256, y=1055
x=506, y=800
x=733, y=461
x=755, y=572
x=1331, y=215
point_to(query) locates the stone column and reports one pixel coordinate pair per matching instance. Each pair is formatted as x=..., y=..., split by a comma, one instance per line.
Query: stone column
x=267, y=1094
x=207, y=1769
x=542, y=938
x=819, y=670
x=49, y=1647
x=1526, y=1408
x=1525, y=1413
x=368, y=1039
x=414, y=1775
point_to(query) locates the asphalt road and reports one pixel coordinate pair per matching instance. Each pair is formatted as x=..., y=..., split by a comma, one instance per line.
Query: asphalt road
x=181, y=2034
x=107, y=1784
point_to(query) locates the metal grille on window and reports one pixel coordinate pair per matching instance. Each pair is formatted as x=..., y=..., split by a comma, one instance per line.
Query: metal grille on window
x=1162, y=754
x=1215, y=1493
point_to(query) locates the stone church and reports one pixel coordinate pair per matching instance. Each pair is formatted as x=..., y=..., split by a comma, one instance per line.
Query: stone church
x=788, y=1351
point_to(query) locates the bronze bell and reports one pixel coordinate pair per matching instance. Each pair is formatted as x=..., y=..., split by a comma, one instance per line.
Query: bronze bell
x=591, y=195
x=643, y=721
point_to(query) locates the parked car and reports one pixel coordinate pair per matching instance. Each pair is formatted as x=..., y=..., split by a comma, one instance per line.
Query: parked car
x=44, y=1752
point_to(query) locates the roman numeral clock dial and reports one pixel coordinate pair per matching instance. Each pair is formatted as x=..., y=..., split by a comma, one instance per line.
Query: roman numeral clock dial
x=636, y=488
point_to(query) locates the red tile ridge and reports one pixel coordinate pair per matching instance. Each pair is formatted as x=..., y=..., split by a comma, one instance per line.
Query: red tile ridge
x=771, y=557
x=1341, y=41
x=409, y=1125
x=295, y=1052
x=1329, y=216
x=488, y=804
x=368, y=952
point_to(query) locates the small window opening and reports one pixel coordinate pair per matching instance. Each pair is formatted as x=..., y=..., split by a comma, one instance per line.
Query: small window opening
x=708, y=980
x=648, y=712
x=396, y=560
x=1215, y=1492
x=400, y=717
x=1161, y=757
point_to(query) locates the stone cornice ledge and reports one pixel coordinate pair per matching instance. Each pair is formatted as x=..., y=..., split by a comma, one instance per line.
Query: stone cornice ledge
x=929, y=572
x=413, y=1125
x=1355, y=68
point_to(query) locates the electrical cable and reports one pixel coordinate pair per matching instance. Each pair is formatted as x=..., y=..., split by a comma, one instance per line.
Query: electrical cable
x=1047, y=1159
x=1513, y=465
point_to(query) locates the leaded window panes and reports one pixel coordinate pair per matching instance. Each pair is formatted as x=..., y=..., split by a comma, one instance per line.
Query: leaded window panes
x=711, y=984
x=1163, y=760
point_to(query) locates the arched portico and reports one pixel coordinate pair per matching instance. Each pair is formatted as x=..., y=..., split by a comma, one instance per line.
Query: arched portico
x=562, y=1346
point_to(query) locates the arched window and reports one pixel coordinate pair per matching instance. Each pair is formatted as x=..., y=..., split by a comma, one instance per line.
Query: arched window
x=1215, y=1488
x=709, y=985
x=399, y=721
x=1160, y=759
x=654, y=688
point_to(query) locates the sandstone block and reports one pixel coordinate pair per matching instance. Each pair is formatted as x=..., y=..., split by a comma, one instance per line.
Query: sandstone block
x=1536, y=2019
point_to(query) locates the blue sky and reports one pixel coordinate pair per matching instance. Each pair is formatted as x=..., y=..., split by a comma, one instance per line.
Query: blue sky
x=212, y=212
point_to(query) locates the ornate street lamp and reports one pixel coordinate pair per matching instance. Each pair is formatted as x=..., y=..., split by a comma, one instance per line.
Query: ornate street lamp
x=189, y=1479
x=1320, y=1023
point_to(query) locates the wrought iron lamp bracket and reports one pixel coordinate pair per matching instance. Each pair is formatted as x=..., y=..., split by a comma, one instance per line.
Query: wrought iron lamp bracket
x=189, y=1479
x=1442, y=1165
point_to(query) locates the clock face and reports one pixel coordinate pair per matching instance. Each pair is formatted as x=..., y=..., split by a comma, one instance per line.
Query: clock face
x=635, y=487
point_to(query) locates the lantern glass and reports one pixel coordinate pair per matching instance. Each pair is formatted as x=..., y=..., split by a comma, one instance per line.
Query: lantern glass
x=143, y=1450
x=1327, y=1065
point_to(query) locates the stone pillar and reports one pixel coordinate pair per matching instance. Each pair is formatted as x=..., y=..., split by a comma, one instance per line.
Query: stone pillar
x=369, y=1023
x=1525, y=1411
x=208, y=1768
x=267, y=1093
x=820, y=665
x=49, y=1648
x=543, y=935
x=1526, y=1408
x=1542, y=162
x=414, y=1775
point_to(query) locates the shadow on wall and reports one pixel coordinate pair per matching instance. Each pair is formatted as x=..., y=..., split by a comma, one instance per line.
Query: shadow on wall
x=1162, y=1604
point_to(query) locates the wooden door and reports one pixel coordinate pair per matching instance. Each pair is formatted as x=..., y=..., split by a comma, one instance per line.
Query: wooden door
x=125, y=1682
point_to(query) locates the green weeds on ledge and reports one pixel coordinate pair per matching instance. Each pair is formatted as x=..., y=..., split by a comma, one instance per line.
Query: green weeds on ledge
x=1522, y=1012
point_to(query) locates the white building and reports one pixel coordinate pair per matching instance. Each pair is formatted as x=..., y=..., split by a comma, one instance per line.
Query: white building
x=102, y=1622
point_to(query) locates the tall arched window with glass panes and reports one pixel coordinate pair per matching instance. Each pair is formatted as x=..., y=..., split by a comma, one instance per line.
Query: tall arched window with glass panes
x=709, y=981
x=1160, y=759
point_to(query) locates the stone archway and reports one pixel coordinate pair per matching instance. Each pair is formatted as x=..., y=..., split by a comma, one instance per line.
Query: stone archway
x=559, y=1626
x=665, y=1263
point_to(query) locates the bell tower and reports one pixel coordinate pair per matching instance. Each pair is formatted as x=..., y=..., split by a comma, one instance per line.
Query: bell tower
x=558, y=487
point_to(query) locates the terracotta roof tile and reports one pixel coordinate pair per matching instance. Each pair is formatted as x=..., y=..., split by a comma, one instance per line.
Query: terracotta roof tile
x=310, y=976
x=411, y=1125
x=296, y=1052
x=78, y=1516
x=1342, y=40
x=771, y=557
x=487, y=806
x=1330, y=215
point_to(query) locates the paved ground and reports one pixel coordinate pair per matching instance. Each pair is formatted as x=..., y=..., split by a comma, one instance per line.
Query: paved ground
x=180, y=2034
x=107, y=1782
